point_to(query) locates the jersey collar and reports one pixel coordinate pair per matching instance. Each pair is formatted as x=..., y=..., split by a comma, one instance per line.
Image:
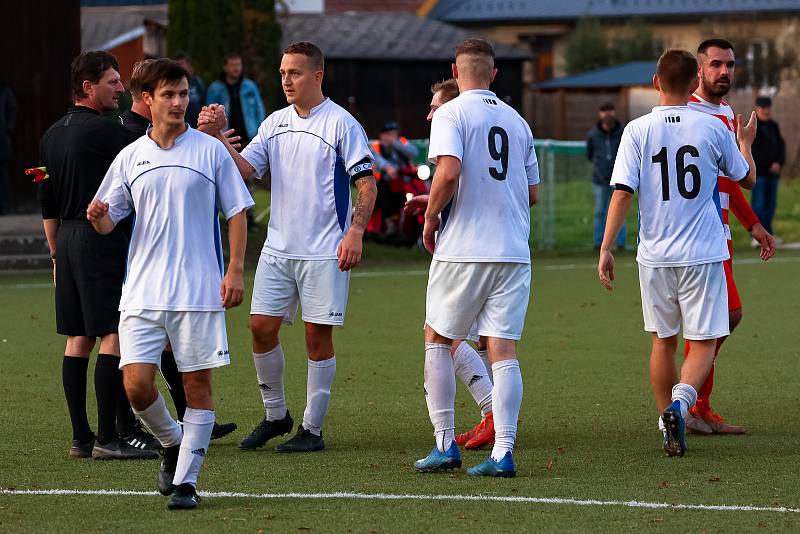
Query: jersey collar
x=313, y=110
x=486, y=92
x=178, y=139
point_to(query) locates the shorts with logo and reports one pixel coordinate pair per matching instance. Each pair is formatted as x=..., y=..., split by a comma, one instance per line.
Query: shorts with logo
x=695, y=296
x=199, y=338
x=493, y=296
x=318, y=286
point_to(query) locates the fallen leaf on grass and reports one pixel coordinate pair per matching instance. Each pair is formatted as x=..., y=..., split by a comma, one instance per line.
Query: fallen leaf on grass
x=715, y=478
x=549, y=465
x=664, y=484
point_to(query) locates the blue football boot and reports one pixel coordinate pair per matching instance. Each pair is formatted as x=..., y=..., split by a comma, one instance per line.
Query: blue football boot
x=675, y=436
x=505, y=468
x=440, y=461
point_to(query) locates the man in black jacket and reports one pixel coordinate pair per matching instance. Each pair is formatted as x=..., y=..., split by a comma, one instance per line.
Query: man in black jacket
x=769, y=153
x=602, y=143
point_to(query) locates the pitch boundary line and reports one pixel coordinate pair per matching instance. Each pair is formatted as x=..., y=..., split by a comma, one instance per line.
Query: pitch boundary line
x=413, y=497
x=421, y=272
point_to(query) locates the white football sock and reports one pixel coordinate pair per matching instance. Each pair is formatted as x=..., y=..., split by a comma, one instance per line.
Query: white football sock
x=506, y=400
x=484, y=355
x=440, y=393
x=160, y=423
x=197, y=427
x=318, y=393
x=470, y=370
x=269, y=370
x=685, y=395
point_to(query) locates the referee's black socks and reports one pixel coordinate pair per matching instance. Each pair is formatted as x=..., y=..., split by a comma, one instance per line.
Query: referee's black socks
x=107, y=383
x=73, y=377
x=169, y=369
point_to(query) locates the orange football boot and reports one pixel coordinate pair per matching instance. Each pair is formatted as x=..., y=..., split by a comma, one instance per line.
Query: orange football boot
x=483, y=434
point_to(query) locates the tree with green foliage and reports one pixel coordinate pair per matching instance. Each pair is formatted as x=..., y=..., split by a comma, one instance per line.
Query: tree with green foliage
x=209, y=29
x=587, y=47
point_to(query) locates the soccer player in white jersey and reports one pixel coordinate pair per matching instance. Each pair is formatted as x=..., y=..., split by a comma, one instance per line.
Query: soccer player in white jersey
x=673, y=156
x=175, y=179
x=312, y=149
x=471, y=365
x=485, y=182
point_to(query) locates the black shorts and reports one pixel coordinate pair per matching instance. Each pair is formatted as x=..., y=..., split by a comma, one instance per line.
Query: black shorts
x=90, y=270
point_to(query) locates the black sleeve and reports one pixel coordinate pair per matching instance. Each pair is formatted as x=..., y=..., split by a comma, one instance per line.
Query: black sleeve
x=781, y=148
x=47, y=200
x=623, y=187
x=589, y=147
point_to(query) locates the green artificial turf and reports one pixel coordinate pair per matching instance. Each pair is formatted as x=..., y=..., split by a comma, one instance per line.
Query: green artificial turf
x=587, y=429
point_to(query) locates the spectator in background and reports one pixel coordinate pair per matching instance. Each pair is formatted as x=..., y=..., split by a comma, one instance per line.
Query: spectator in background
x=197, y=89
x=769, y=153
x=392, y=152
x=240, y=96
x=243, y=106
x=8, y=114
x=602, y=143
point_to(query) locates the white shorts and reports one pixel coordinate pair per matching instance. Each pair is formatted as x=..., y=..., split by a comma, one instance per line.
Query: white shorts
x=199, y=339
x=317, y=285
x=493, y=296
x=696, y=295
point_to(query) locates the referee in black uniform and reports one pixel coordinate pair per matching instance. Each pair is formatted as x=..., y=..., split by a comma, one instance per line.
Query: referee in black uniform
x=89, y=268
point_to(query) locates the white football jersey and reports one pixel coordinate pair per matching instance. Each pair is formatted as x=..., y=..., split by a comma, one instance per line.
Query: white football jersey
x=311, y=161
x=673, y=156
x=175, y=256
x=488, y=219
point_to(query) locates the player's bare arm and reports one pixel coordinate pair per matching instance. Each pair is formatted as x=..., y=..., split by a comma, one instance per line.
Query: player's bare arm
x=51, y=233
x=212, y=120
x=97, y=214
x=232, y=288
x=533, y=194
x=445, y=181
x=617, y=210
x=746, y=135
x=349, y=252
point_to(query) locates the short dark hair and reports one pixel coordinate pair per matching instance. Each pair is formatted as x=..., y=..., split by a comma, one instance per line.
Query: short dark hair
x=478, y=47
x=308, y=49
x=158, y=72
x=763, y=102
x=231, y=55
x=449, y=89
x=90, y=66
x=716, y=43
x=135, y=85
x=608, y=106
x=676, y=70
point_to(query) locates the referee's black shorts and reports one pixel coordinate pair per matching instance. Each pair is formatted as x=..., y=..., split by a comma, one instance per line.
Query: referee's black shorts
x=90, y=270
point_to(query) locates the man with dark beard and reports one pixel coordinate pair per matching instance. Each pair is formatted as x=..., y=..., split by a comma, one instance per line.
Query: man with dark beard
x=716, y=69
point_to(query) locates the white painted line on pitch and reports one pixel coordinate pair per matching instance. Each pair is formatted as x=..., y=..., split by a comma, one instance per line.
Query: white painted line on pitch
x=411, y=497
x=419, y=272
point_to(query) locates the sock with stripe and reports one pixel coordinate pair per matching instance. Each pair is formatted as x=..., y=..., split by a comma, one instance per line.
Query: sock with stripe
x=197, y=427
x=470, y=370
x=269, y=370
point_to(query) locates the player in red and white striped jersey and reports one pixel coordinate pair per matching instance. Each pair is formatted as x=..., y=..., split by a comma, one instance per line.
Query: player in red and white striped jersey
x=716, y=68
